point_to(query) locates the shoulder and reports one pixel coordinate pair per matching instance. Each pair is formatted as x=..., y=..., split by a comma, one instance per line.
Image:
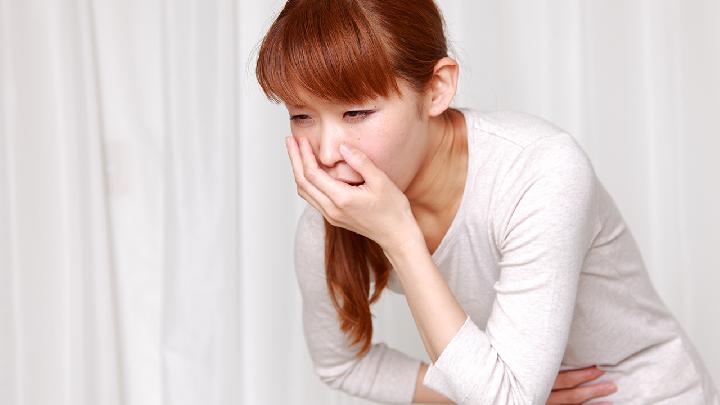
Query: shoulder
x=549, y=191
x=309, y=250
x=553, y=164
x=517, y=127
x=310, y=224
x=560, y=154
x=533, y=144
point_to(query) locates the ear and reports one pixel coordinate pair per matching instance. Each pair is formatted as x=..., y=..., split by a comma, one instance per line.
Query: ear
x=442, y=86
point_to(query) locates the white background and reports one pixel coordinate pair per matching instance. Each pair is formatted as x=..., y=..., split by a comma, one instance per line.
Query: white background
x=147, y=205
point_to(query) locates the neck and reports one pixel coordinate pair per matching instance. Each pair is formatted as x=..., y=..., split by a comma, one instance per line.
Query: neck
x=440, y=181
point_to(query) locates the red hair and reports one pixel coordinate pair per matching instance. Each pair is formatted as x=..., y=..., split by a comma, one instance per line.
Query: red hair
x=350, y=51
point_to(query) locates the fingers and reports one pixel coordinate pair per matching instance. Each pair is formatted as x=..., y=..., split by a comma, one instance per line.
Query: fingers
x=304, y=188
x=579, y=395
x=362, y=164
x=572, y=378
x=566, y=390
x=337, y=191
x=311, y=201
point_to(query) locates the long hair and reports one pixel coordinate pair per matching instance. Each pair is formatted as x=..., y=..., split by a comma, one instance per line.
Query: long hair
x=350, y=51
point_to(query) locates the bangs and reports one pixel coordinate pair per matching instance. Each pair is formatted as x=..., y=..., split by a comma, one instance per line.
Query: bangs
x=328, y=48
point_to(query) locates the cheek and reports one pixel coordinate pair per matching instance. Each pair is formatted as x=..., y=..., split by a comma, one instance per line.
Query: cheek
x=392, y=150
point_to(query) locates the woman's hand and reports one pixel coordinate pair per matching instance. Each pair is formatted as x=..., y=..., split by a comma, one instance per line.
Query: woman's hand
x=376, y=209
x=565, y=390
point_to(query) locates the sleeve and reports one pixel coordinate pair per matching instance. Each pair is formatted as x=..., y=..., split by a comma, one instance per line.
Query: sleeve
x=542, y=224
x=384, y=374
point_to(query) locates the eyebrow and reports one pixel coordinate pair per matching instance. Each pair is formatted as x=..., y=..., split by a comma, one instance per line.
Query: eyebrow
x=301, y=106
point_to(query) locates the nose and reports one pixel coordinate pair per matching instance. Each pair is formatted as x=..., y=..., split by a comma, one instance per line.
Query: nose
x=326, y=146
x=328, y=152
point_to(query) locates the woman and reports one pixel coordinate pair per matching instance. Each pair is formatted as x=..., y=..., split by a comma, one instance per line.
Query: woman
x=519, y=271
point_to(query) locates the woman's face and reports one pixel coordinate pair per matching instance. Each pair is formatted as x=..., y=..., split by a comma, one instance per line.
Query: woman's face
x=387, y=130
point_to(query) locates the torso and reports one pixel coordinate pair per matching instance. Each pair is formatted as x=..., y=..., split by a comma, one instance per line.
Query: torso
x=619, y=322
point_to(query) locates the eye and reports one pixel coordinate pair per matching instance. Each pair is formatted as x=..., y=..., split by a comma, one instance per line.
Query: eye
x=354, y=115
x=299, y=117
x=359, y=115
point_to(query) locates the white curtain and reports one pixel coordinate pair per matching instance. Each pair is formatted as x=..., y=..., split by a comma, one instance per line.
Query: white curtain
x=147, y=205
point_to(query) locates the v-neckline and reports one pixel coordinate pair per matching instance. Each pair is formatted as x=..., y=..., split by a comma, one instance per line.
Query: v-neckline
x=459, y=214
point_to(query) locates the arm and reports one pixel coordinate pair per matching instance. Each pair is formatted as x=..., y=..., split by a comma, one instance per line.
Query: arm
x=424, y=394
x=384, y=374
x=543, y=225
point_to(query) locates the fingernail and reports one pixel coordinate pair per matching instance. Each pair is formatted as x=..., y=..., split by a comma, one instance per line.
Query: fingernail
x=344, y=149
x=611, y=386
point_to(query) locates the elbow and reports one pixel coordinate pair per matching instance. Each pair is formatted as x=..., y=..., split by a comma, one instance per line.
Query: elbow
x=348, y=377
x=521, y=394
x=509, y=391
x=334, y=376
x=528, y=396
x=334, y=382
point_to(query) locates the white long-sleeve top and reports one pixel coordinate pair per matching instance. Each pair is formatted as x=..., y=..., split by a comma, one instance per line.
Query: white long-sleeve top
x=550, y=277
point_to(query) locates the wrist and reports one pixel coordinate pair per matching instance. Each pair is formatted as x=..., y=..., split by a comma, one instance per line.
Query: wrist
x=403, y=249
x=407, y=239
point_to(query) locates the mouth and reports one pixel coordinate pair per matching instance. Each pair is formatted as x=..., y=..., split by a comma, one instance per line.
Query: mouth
x=352, y=183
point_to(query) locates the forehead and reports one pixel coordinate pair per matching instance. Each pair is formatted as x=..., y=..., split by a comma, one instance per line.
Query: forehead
x=309, y=100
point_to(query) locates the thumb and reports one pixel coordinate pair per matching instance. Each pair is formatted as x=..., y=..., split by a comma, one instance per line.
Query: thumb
x=362, y=164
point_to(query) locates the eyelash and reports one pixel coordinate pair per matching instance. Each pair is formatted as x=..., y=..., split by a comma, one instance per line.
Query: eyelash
x=362, y=115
